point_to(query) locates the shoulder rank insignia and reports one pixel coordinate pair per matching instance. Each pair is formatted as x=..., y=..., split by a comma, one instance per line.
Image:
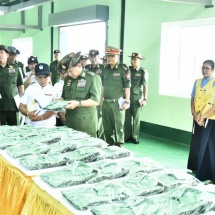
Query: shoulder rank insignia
x=125, y=68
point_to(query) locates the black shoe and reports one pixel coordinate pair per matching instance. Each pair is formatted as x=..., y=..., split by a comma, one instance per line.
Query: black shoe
x=129, y=139
x=136, y=141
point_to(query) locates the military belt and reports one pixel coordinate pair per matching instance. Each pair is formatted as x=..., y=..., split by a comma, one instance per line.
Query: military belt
x=110, y=100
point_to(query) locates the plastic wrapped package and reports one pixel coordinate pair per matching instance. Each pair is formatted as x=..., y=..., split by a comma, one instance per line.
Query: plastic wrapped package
x=62, y=147
x=6, y=142
x=43, y=161
x=84, y=154
x=131, y=206
x=51, y=139
x=145, y=165
x=184, y=200
x=141, y=184
x=28, y=149
x=113, y=152
x=74, y=174
x=58, y=105
x=91, y=142
x=108, y=170
x=84, y=197
x=174, y=178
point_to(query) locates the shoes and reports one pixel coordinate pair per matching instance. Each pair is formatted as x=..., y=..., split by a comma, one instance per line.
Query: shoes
x=136, y=141
x=129, y=139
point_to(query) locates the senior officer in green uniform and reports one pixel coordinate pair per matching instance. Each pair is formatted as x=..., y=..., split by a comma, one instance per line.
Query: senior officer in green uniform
x=139, y=93
x=55, y=77
x=11, y=82
x=13, y=52
x=97, y=68
x=82, y=89
x=116, y=85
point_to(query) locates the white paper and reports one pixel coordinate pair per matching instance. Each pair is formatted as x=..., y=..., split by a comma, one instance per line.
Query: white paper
x=17, y=100
x=121, y=102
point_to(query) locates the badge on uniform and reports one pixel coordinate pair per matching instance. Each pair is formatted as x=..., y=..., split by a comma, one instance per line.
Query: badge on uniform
x=81, y=83
x=11, y=69
x=116, y=74
x=99, y=71
x=128, y=76
x=137, y=74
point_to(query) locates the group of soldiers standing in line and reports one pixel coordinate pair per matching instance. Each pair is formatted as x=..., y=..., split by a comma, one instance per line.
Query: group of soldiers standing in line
x=104, y=100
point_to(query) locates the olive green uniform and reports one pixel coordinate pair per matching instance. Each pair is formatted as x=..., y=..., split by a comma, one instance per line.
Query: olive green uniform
x=86, y=86
x=133, y=114
x=114, y=81
x=10, y=79
x=21, y=66
x=98, y=70
x=55, y=77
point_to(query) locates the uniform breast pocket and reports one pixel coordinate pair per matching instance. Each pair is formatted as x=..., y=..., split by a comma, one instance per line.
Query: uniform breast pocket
x=68, y=93
x=80, y=92
x=116, y=78
x=12, y=78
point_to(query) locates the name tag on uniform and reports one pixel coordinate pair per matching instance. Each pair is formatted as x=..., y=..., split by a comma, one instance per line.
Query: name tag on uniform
x=11, y=69
x=81, y=83
x=137, y=74
x=99, y=71
x=116, y=74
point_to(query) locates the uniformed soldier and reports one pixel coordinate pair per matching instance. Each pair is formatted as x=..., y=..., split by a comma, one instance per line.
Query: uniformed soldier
x=116, y=85
x=82, y=89
x=139, y=93
x=36, y=97
x=30, y=77
x=13, y=52
x=104, y=61
x=11, y=82
x=83, y=60
x=55, y=77
x=97, y=68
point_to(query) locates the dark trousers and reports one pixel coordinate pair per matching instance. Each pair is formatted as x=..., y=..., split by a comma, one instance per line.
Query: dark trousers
x=206, y=161
x=8, y=118
x=195, y=146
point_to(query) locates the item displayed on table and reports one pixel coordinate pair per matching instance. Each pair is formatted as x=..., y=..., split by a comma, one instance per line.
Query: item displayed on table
x=58, y=105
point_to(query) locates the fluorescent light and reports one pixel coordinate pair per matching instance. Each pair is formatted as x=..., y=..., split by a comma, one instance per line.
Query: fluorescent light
x=25, y=8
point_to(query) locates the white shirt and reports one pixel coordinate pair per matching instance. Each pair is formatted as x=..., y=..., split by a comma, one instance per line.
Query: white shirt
x=36, y=98
x=59, y=88
x=33, y=79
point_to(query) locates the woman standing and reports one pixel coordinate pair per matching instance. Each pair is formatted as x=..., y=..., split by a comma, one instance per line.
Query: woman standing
x=200, y=94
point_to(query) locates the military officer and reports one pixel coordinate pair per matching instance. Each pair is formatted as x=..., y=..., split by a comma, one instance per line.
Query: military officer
x=55, y=77
x=30, y=77
x=83, y=60
x=116, y=85
x=13, y=52
x=97, y=68
x=82, y=89
x=11, y=82
x=139, y=93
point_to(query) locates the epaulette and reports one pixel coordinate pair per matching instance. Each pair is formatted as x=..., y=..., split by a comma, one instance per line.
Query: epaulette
x=124, y=66
x=90, y=73
x=142, y=69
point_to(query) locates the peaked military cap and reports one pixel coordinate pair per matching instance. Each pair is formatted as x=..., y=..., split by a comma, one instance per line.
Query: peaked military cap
x=84, y=57
x=63, y=64
x=110, y=50
x=137, y=55
x=3, y=47
x=56, y=51
x=42, y=69
x=32, y=59
x=93, y=52
x=104, y=58
x=13, y=50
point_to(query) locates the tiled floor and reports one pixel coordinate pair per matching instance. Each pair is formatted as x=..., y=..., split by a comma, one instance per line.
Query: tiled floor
x=170, y=154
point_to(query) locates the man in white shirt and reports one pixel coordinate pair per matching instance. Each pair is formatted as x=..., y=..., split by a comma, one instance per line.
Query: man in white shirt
x=36, y=97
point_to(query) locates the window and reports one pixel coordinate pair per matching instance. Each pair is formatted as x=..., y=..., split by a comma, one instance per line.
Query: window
x=83, y=38
x=25, y=46
x=184, y=47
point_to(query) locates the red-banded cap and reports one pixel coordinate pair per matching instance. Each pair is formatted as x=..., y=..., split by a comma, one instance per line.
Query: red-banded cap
x=110, y=50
